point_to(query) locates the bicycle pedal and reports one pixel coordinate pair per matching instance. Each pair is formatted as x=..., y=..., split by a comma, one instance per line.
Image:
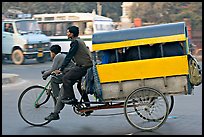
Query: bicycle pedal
x=83, y=114
x=48, y=91
x=86, y=114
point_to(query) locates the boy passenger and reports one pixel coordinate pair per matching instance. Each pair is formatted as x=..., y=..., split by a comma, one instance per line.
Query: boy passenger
x=57, y=58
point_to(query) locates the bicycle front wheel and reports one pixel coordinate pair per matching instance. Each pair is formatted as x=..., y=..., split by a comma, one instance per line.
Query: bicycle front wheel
x=34, y=105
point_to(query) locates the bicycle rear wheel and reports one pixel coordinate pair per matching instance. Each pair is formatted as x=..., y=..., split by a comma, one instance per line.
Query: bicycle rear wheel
x=33, y=112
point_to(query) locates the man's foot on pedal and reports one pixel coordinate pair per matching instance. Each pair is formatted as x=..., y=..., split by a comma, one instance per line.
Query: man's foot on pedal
x=52, y=116
x=87, y=113
x=70, y=101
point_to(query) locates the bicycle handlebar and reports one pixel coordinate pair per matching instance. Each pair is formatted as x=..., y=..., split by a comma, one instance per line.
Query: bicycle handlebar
x=52, y=74
x=55, y=75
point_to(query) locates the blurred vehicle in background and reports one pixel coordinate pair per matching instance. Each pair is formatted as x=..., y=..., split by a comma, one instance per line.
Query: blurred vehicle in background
x=55, y=26
x=22, y=39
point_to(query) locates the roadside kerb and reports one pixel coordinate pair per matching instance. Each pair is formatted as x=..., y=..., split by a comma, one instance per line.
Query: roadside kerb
x=8, y=78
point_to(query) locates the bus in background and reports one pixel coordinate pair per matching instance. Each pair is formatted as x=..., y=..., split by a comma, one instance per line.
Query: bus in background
x=55, y=26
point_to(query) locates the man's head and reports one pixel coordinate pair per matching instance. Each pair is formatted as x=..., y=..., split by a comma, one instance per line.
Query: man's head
x=72, y=32
x=54, y=50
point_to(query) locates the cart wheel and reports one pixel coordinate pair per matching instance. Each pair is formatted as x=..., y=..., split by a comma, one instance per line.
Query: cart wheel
x=171, y=102
x=146, y=108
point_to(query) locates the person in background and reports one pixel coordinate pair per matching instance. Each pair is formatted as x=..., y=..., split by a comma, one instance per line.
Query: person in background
x=8, y=27
x=110, y=56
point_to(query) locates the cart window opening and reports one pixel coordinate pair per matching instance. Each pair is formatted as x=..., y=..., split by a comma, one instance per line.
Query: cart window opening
x=111, y=56
x=55, y=28
x=141, y=52
x=171, y=49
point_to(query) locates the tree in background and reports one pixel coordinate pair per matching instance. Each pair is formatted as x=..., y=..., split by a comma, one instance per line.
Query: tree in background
x=166, y=12
x=156, y=12
x=109, y=9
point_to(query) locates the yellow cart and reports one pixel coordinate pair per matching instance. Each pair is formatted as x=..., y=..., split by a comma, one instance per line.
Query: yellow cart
x=156, y=65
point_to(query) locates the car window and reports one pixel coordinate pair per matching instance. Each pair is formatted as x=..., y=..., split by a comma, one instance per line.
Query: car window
x=8, y=27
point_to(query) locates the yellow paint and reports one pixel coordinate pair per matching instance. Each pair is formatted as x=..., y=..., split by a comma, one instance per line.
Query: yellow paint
x=140, y=69
x=40, y=54
x=113, y=45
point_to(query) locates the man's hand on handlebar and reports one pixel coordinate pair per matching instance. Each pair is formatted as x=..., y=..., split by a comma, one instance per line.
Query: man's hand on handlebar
x=54, y=73
x=43, y=71
x=57, y=72
x=44, y=77
x=45, y=74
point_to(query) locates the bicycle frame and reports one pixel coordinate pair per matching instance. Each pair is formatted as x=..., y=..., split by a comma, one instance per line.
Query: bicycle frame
x=45, y=88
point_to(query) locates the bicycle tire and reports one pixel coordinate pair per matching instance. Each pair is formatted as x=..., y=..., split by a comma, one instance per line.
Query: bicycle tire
x=27, y=109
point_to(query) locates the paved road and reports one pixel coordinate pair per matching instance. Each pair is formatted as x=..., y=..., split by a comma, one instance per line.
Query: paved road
x=185, y=119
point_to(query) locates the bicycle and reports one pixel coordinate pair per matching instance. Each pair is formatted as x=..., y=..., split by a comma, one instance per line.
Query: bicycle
x=36, y=102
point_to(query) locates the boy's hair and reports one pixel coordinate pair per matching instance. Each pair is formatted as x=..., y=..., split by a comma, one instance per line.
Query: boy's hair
x=74, y=30
x=55, y=48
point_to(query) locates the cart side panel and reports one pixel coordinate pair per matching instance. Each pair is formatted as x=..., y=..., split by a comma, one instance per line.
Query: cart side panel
x=142, y=69
x=169, y=85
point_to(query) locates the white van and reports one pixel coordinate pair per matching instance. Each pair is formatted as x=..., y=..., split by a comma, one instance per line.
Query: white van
x=22, y=39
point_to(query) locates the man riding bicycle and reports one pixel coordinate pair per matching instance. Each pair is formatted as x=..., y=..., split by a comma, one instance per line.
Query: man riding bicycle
x=82, y=57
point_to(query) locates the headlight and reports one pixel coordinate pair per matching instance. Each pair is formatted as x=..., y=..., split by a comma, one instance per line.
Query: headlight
x=30, y=46
x=27, y=46
x=46, y=45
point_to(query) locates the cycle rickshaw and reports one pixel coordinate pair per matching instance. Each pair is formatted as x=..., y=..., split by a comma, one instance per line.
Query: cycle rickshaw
x=157, y=66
